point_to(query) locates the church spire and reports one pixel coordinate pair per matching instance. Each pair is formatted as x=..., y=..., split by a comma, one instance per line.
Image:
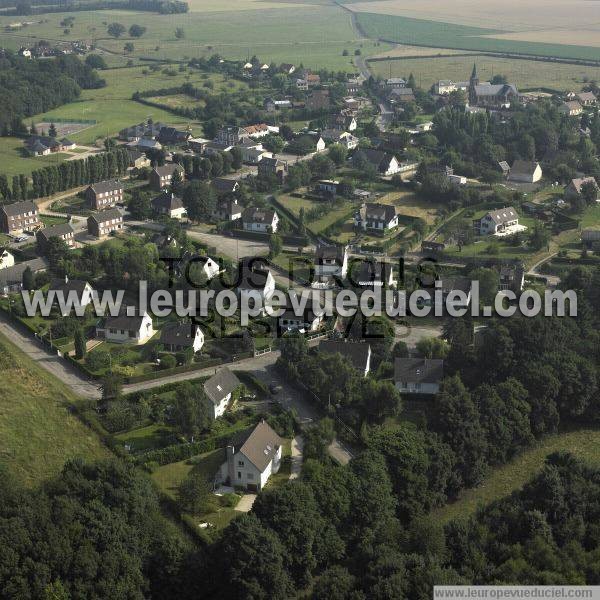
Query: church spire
x=474, y=73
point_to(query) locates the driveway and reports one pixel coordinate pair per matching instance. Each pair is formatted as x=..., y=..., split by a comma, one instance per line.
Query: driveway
x=412, y=334
x=296, y=465
x=245, y=503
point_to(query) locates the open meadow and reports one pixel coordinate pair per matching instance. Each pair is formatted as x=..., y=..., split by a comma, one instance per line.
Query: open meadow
x=37, y=430
x=313, y=34
x=584, y=444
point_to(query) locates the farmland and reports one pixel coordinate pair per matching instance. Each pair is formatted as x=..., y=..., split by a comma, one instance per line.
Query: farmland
x=37, y=431
x=438, y=34
x=315, y=35
x=524, y=73
x=552, y=21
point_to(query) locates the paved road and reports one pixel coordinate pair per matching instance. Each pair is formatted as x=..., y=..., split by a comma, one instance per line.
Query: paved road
x=263, y=367
x=534, y=271
x=53, y=364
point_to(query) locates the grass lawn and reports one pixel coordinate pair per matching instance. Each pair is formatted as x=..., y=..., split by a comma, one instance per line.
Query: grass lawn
x=331, y=217
x=169, y=477
x=50, y=220
x=295, y=204
x=15, y=162
x=584, y=444
x=38, y=433
x=591, y=216
x=407, y=203
x=144, y=438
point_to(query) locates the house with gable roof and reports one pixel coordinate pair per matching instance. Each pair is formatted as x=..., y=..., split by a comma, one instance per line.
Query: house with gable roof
x=219, y=390
x=252, y=457
x=496, y=221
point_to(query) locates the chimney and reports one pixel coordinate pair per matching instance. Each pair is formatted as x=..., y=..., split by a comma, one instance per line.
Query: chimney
x=230, y=465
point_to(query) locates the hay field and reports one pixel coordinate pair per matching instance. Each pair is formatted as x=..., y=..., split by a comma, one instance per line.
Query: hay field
x=444, y=34
x=513, y=15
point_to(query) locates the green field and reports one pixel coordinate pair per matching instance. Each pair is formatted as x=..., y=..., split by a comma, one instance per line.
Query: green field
x=436, y=34
x=113, y=108
x=523, y=73
x=584, y=444
x=38, y=432
x=314, y=34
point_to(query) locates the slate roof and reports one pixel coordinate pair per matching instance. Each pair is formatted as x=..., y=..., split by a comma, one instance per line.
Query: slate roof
x=369, y=272
x=124, y=322
x=167, y=169
x=252, y=275
x=19, y=208
x=110, y=185
x=523, y=167
x=223, y=185
x=418, y=370
x=259, y=445
x=13, y=275
x=167, y=201
x=178, y=334
x=222, y=383
x=378, y=158
x=258, y=215
x=385, y=212
x=356, y=352
x=106, y=215
x=330, y=252
x=499, y=90
x=72, y=285
x=56, y=231
x=503, y=215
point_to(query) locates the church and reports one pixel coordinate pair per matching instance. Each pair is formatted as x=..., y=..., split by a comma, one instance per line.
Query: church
x=488, y=95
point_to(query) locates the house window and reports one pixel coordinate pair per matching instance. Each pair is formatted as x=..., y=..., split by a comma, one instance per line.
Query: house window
x=239, y=474
x=240, y=463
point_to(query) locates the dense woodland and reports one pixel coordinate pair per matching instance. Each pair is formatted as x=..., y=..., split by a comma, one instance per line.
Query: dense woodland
x=30, y=87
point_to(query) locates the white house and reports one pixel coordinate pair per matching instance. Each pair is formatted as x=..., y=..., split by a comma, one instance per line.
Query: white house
x=170, y=205
x=302, y=318
x=178, y=337
x=496, y=221
x=81, y=291
x=358, y=353
x=331, y=261
x=136, y=329
x=251, y=458
x=327, y=186
x=385, y=164
x=6, y=259
x=335, y=136
x=219, y=389
x=377, y=217
x=255, y=282
x=418, y=375
x=260, y=220
x=525, y=171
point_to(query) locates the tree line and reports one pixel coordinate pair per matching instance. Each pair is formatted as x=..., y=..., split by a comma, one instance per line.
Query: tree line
x=30, y=87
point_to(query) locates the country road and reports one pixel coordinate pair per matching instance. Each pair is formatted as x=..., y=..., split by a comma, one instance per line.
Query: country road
x=262, y=367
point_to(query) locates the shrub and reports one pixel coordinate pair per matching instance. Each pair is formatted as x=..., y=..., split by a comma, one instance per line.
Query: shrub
x=168, y=361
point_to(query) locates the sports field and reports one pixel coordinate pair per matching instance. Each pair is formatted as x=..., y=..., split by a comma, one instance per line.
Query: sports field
x=524, y=73
x=38, y=432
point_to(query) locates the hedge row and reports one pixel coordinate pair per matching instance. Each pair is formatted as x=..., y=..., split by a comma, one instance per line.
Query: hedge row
x=205, y=364
x=178, y=452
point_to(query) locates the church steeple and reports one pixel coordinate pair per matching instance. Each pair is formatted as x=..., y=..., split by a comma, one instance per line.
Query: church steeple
x=473, y=83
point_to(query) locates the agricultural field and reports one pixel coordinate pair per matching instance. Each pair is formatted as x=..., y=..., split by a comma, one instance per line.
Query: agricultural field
x=584, y=444
x=555, y=21
x=446, y=34
x=234, y=30
x=37, y=430
x=523, y=73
